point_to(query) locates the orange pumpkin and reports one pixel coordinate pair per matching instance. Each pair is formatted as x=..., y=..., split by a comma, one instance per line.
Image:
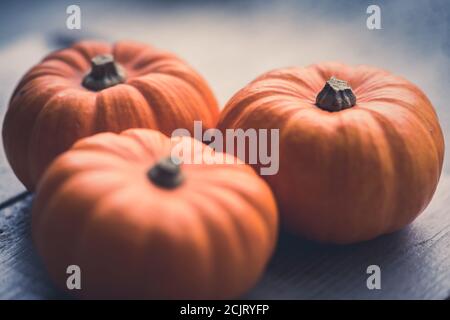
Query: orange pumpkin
x=361, y=149
x=94, y=87
x=140, y=226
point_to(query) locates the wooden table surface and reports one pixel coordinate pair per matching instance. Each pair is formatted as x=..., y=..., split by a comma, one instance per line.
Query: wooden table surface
x=414, y=262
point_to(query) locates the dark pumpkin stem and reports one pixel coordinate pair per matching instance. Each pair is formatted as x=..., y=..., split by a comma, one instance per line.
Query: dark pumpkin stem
x=336, y=95
x=166, y=174
x=105, y=73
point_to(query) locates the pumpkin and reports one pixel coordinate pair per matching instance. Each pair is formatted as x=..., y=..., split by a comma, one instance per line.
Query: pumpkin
x=361, y=149
x=140, y=225
x=94, y=87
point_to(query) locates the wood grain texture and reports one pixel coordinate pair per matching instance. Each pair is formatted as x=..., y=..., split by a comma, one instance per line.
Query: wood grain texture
x=21, y=274
x=415, y=262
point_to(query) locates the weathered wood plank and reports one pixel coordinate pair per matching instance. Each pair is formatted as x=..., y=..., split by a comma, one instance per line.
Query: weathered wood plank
x=21, y=274
x=415, y=262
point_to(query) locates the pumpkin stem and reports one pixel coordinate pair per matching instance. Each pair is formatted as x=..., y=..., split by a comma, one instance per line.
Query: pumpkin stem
x=105, y=73
x=336, y=95
x=166, y=174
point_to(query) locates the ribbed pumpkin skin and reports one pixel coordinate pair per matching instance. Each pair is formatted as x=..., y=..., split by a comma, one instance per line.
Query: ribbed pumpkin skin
x=210, y=237
x=350, y=175
x=50, y=109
